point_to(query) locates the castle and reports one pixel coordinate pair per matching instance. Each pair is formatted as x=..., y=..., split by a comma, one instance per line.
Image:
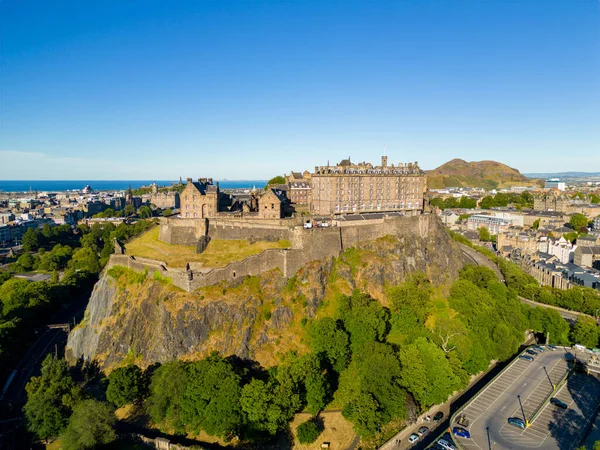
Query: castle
x=351, y=203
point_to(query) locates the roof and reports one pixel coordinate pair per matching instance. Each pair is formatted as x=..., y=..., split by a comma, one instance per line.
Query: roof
x=591, y=250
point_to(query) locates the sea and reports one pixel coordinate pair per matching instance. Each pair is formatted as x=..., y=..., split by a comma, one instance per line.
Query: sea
x=109, y=185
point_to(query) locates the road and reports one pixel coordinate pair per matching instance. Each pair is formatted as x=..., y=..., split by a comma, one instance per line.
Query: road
x=570, y=316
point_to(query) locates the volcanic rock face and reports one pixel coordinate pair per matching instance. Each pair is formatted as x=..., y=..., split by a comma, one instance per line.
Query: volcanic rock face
x=133, y=318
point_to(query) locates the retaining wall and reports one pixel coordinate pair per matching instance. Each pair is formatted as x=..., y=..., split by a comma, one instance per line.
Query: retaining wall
x=307, y=245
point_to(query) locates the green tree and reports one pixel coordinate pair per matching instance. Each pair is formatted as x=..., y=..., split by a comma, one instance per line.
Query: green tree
x=267, y=404
x=275, y=180
x=145, y=212
x=364, y=413
x=211, y=400
x=30, y=240
x=85, y=259
x=165, y=394
x=364, y=319
x=26, y=261
x=328, y=337
x=91, y=425
x=585, y=332
x=484, y=234
x=309, y=431
x=125, y=385
x=578, y=222
x=129, y=210
x=536, y=224
x=167, y=212
x=51, y=398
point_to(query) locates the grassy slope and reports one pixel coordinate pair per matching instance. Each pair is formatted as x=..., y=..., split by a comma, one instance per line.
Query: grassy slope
x=218, y=253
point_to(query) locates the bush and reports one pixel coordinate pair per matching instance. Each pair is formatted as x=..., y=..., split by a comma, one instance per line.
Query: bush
x=125, y=385
x=309, y=431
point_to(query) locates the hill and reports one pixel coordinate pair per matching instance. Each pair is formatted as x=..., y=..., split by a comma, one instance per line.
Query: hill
x=484, y=174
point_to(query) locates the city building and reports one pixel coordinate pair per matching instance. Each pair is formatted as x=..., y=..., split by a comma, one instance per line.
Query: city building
x=597, y=223
x=495, y=225
x=587, y=256
x=355, y=188
x=299, y=190
x=555, y=183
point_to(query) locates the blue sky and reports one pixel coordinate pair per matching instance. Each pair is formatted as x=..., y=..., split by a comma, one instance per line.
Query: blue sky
x=245, y=90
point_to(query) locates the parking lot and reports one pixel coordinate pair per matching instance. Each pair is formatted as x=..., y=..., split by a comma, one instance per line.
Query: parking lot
x=485, y=417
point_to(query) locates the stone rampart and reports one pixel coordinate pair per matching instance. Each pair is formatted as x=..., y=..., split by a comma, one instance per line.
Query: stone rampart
x=181, y=231
x=307, y=245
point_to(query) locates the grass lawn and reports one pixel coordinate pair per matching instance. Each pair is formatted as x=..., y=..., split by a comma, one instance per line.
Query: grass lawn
x=218, y=253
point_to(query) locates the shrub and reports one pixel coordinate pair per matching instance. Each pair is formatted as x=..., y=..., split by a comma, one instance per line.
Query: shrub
x=309, y=431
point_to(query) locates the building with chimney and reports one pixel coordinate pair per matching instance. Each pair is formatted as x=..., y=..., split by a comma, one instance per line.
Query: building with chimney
x=357, y=188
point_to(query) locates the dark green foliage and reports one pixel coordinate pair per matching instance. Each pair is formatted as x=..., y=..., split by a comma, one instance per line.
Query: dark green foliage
x=165, y=394
x=328, y=336
x=523, y=200
x=30, y=240
x=451, y=202
x=91, y=425
x=364, y=319
x=309, y=431
x=125, y=385
x=51, y=398
x=211, y=400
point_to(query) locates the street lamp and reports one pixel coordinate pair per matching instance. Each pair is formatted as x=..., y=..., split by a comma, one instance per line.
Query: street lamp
x=523, y=411
x=550, y=380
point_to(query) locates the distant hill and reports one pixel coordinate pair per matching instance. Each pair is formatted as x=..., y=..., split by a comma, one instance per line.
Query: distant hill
x=564, y=175
x=484, y=174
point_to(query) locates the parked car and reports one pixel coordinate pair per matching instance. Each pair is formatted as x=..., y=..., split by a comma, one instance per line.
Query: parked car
x=526, y=358
x=422, y=431
x=531, y=352
x=551, y=347
x=461, y=432
x=559, y=403
x=413, y=438
x=447, y=445
x=517, y=422
x=539, y=348
x=438, y=416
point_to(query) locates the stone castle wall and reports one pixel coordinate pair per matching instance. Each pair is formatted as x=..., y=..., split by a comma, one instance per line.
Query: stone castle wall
x=307, y=245
x=183, y=232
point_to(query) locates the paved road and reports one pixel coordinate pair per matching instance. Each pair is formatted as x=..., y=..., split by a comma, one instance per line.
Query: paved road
x=488, y=412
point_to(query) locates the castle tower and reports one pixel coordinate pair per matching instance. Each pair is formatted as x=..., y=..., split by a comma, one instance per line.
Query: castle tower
x=384, y=161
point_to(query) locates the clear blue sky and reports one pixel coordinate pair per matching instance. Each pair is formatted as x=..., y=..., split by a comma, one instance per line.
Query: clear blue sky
x=123, y=89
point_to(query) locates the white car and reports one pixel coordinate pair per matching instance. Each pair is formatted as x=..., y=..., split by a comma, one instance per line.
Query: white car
x=445, y=444
x=413, y=438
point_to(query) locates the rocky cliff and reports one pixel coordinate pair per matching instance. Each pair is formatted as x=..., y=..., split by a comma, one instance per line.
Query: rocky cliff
x=135, y=318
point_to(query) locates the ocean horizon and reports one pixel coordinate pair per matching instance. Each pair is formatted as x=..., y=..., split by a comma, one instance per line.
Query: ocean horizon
x=109, y=185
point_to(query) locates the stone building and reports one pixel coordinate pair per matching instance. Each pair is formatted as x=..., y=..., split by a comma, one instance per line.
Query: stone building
x=164, y=200
x=552, y=200
x=587, y=256
x=299, y=190
x=356, y=188
x=200, y=199
x=272, y=204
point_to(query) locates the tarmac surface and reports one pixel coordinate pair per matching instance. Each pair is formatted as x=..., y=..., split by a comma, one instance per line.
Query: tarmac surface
x=522, y=390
